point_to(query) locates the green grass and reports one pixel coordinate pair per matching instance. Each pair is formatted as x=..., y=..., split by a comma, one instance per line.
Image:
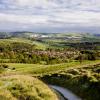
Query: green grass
x=21, y=87
x=37, y=69
x=11, y=40
x=38, y=45
x=16, y=80
x=84, y=80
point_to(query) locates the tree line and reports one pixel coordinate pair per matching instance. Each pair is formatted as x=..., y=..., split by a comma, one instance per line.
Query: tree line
x=17, y=52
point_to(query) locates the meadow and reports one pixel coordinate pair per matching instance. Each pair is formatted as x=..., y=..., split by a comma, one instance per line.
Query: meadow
x=39, y=70
x=85, y=75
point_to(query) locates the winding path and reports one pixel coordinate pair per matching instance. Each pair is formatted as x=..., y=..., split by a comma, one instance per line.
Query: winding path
x=65, y=92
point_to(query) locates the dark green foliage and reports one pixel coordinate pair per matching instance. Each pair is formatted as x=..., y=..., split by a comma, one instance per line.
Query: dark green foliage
x=88, y=55
x=85, y=81
x=3, y=67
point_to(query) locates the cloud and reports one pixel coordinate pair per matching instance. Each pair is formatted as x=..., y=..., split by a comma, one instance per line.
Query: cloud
x=23, y=19
x=50, y=15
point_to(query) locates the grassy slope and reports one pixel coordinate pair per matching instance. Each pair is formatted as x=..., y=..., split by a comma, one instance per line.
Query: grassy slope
x=53, y=43
x=21, y=87
x=15, y=40
x=38, y=45
x=60, y=70
x=84, y=81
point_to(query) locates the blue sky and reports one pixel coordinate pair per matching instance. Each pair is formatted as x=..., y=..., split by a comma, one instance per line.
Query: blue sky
x=50, y=15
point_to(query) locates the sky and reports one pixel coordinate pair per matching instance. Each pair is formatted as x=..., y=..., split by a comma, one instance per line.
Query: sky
x=50, y=15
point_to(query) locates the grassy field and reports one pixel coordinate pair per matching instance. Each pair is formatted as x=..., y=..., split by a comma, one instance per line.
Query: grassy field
x=69, y=75
x=38, y=70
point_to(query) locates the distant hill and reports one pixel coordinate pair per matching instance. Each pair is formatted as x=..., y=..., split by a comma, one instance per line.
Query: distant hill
x=59, y=36
x=5, y=35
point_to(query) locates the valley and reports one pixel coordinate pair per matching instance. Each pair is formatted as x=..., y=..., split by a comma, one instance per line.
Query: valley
x=31, y=61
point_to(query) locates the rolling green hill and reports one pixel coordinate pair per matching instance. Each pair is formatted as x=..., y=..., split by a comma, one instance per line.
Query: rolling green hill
x=70, y=60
